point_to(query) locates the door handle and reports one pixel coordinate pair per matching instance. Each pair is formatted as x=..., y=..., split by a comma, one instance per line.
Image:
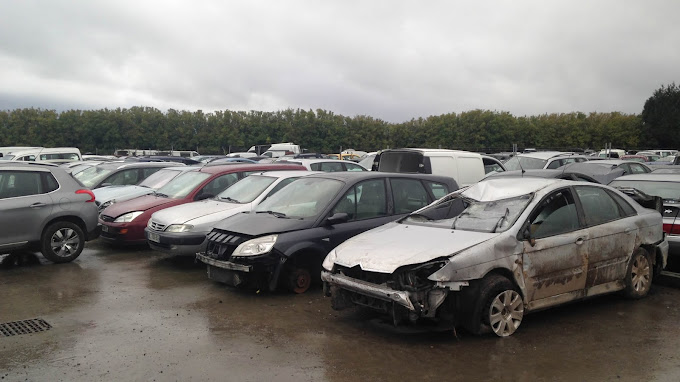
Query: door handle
x=38, y=205
x=579, y=241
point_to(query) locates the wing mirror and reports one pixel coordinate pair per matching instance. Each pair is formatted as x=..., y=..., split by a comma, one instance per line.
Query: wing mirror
x=339, y=217
x=526, y=235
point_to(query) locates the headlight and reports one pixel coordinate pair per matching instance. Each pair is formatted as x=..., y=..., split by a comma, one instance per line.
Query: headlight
x=128, y=217
x=329, y=260
x=258, y=246
x=179, y=228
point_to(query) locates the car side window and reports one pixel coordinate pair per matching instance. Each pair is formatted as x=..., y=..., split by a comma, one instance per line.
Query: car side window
x=353, y=167
x=49, y=183
x=123, y=178
x=17, y=183
x=556, y=215
x=598, y=205
x=637, y=169
x=627, y=209
x=148, y=171
x=331, y=166
x=554, y=164
x=279, y=186
x=408, y=195
x=219, y=184
x=439, y=190
x=366, y=200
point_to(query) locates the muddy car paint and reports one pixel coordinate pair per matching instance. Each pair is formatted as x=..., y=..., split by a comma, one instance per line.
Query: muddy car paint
x=419, y=278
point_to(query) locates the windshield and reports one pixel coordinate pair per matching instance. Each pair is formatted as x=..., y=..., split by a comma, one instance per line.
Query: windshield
x=303, y=198
x=159, y=179
x=457, y=212
x=7, y=157
x=525, y=162
x=367, y=162
x=182, y=185
x=90, y=177
x=666, y=190
x=246, y=190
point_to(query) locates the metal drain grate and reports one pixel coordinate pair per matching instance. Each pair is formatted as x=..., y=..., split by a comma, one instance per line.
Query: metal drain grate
x=14, y=328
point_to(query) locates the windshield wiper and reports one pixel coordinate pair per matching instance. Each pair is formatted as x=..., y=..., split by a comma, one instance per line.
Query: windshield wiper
x=155, y=193
x=277, y=214
x=229, y=199
x=500, y=221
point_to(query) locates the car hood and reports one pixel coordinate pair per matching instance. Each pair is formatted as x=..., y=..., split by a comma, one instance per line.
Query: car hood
x=104, y=194
x=393, y=245
x=142, y=203
x=253, y=224
x=203, y=211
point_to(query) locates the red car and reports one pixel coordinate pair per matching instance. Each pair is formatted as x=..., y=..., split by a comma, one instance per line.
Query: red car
x=124, y=222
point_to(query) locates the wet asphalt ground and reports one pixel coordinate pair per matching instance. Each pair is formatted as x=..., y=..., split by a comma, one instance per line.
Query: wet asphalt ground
x=131, y=314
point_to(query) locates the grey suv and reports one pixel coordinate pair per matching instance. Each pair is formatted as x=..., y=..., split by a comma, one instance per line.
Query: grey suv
x=42, y=207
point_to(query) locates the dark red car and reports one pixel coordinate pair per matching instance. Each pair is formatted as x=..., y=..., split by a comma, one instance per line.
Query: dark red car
x=124, y=222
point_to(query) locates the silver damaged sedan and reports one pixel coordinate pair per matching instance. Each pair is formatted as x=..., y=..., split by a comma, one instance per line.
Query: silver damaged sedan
x=483, y=257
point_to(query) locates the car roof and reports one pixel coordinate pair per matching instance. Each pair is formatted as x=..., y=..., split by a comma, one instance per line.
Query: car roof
x=651, y=176
x=313, y=160
x=547, y=154
x=493, y=188
x=237, y=166
x=349, y=176
x=33, y=166
x=122, y=165
x=287, y=174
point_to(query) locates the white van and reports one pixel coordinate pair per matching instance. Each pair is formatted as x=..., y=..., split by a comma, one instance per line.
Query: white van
x=280, y=149
x=10, y=149
x=465, y=167
x=50, y=155
x=612, y=153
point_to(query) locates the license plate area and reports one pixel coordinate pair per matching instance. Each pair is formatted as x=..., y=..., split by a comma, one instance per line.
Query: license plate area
x=154, y=237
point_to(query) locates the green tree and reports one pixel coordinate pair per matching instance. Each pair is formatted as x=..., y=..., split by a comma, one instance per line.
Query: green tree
x=661, y=116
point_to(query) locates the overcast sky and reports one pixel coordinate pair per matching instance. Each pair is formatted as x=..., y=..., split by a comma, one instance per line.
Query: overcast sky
x=393, y=60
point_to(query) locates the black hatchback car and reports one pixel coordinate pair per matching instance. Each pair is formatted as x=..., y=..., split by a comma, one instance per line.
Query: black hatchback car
x=285, y=239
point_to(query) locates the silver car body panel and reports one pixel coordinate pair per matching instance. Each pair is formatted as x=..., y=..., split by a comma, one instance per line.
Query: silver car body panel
x=547, y=273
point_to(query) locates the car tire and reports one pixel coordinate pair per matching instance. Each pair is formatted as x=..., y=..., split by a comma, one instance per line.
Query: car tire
x=298, y=279
x=62, y=242
x=500, y=308
x=639, y=275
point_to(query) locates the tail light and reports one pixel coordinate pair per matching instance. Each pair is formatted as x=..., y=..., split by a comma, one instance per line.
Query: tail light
x=88, y=192
x=672, y=229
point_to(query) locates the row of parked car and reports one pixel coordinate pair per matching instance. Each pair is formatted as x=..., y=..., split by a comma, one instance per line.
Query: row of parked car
x=403, y=240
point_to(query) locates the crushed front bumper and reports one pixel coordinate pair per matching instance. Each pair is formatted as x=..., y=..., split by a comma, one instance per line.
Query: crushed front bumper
x=372, y=290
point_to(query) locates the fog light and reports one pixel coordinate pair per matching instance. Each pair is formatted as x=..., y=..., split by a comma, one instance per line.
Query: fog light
x=123, y=231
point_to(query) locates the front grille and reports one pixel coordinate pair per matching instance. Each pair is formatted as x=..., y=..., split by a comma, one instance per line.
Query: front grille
x=14, y=328
x=157, y=226
x=221, y=244
x=107, y=218
x=371, y=277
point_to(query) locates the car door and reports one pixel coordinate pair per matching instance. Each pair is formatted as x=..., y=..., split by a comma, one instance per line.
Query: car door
x=366, y=207
x=553, y=260
x=25, y=206
x=612, y=233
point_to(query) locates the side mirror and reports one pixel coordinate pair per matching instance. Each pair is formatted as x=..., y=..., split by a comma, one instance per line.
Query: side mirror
x=339, y=217
x=204, y=196
x=526, y=235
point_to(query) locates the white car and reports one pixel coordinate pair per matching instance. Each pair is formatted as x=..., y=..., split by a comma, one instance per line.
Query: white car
x=484, y=256
x=181, y=230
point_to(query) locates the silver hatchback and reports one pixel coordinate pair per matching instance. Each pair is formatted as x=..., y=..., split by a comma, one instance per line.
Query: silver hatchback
x=43, y=208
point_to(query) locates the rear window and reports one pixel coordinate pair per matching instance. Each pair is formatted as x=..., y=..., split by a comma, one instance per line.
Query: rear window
x=406, y=162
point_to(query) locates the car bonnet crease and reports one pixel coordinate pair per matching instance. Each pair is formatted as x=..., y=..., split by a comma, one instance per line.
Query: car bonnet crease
x=393, y=245
x=258, y=224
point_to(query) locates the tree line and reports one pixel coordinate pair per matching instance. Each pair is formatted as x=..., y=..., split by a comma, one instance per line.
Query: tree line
x=103, y=131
